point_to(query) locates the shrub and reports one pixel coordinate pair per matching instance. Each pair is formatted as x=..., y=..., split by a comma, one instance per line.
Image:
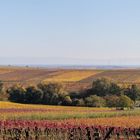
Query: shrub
x=94, y=101
x=125, y=101
x=67, y=101
x=78, y=102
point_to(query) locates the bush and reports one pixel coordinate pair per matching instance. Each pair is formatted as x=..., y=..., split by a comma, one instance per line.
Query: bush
x=78, y=102
x=67, y=101
x=94, y=101
x=125, y=101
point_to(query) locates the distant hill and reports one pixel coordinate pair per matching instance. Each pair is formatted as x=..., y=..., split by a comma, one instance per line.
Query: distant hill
x=72, y=78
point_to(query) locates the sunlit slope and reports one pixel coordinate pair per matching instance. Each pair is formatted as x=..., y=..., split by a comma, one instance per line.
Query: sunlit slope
x=72, y=79
x=119, y=76
x=32, y=76
x=38, y=74
x=72, y=76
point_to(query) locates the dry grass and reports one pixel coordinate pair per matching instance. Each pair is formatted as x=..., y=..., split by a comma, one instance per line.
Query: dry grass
x=5, y=105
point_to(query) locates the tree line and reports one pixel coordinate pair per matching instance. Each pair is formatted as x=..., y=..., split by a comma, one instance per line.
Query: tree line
x=104, y=93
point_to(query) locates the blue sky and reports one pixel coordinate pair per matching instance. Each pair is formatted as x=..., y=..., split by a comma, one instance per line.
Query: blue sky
x=70, y=32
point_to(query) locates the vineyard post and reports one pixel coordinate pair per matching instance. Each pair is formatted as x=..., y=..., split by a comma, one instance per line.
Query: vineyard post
x=108, y=133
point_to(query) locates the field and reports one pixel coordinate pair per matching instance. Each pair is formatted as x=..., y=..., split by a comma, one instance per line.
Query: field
x=57, y=122
x=42, y=112
x=32, y=76
x=41, y=122
x=73, y=79
x=61, y=113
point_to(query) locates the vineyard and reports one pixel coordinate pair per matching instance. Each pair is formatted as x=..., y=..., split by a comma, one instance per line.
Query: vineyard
x=40, y=122
x=73, y=79
x=44, y=122
x=42, y=130
x=70, y=70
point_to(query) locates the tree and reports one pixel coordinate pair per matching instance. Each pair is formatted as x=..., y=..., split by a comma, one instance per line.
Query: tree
x=33, y=95
x=133, y=92
x=1, y=87
x=112, y=100
x=102, y=87
x=125, y=101
x=16, y=94
x=52, y=93
x=67, y=101
x=94, y=101
x=52, y=88
x=114, y=89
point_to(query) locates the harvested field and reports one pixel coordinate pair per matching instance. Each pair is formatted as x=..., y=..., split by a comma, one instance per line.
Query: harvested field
x=32, y=76
x=119, y=76
x=72, y=76
x=72, y=79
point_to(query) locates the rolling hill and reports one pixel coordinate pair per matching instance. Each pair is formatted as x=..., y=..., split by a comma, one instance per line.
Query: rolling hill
x=73, y=79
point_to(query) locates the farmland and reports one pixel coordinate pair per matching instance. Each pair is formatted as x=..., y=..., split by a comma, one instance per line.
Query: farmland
x=33, y=76
x=73, y=79
x=59, y=122
x=42, y=112
x=41, y=122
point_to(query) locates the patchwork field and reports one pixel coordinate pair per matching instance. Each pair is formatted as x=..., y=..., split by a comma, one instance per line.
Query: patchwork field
x=72, y=79
x=120, y=76
x=14, y=111
x=40, y=122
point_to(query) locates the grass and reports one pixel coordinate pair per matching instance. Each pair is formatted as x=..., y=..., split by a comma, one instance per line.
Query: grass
x=4, y=105
x=63, y=116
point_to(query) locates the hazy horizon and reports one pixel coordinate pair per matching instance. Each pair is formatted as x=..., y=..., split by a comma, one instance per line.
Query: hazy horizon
x=66, y=61
x=70, y=32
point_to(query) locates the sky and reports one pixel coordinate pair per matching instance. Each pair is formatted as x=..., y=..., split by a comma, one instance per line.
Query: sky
x=85, y=32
